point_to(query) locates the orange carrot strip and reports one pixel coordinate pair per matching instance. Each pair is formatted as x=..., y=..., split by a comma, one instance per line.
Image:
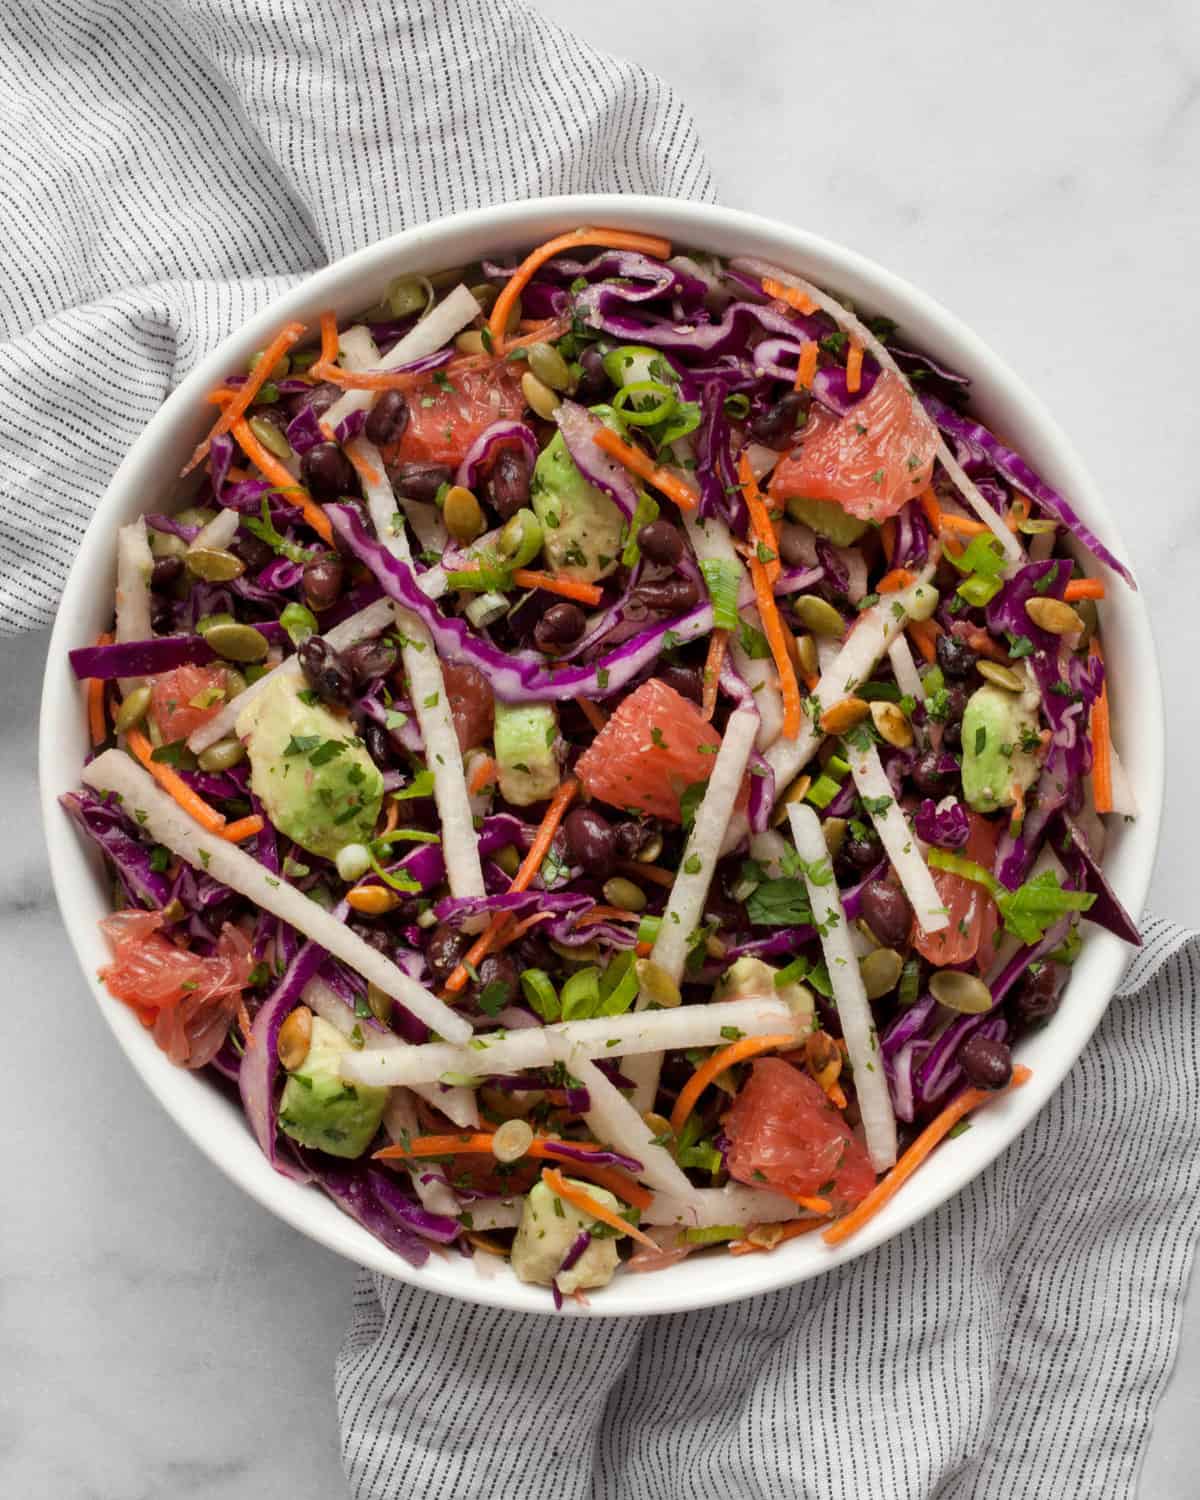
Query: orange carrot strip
x=543, y=332
x=887, y=1188
x=773, y=630
x=569, y=588
x=807, y=367
x=893, y=582
x=244, y=828
x=983, y=645
x=174, y=785
x=1084, y=588
x=608, y=239
x=761, y=527
x=964, y=525
x=1102, y=786
x=292, y=491
x=748, y=1046
x=927, y=500
x=222, y=395
x=814, y=1205
x=596, y=717
x=542, y=1147
x=644, y=467
x=792, y=295
x=530, y=865
x=242, y=399
x=925, y=634
x=329, y=339
x=717, y=643
x=1016, y=819
x=655, y=874
x=605, y=914
x=854, y=365
x=1018, y=511
x=368, y=473
x=789, y=1232
x=376, y=380
x=483, y=774
x=97, y=723
x=643, y=950
x=586, y=1204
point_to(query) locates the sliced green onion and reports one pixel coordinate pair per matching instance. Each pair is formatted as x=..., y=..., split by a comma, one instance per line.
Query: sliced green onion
x=706, y=1158
x=483, y=579
x=486, y=609
x=792, y=973
x=648, y=929
x=618, y=985
x=956, y=864
x=403, y=883
x=910, y=982
x=538, y=989
x=714, y=1234
x=300, y=623
x=979, y=590
x=406, y=836
x=639, y=414
x=823, y=791
x=581, y=994
x=737, y=406
x=723, y=577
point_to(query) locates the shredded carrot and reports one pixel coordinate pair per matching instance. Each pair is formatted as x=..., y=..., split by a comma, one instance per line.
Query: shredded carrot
x=596, y=717
x=887, y=1188
x=814, y=1205
x=887, y=539
x=608, y=239
x=368, y=473
x=643, y=950
x=983, y=645
x=543, y=332
x=586, y=1204
x=97, y=722
x=483, y=775
x=291, y=490
x=174, y=785
x=244, y=828
x=927, y=500
x=243, y=398
x=806, y=369
x=375, y=380
x=854, y=366
x=493, y=935
x=1018, y=511
x=644, y=467
x=605, y=914
x=789, y=1232
x=568, y=588
x=964, y=525
x=245, y=1024
x=792, y=295
x=925, y=634
x=777, y=640
x=1084, y=588
x=736, y=1052
x=1102, y=784
x=895, y=580
x=717, y=642
x=391, y=818
x=654, y=874
x=834, y=1093
x=1016, y=819
x=761, y=527
x=221, y=395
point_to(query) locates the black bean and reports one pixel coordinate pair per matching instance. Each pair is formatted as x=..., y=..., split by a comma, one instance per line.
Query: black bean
x=445, y=948
x=162, y=616
x=861, y=848
x=631, y=838
x=369, y=660
x=1036, y=997
x=560, y=626
x=928, y=775
x=273, y=413
x=955, y=657
x=687, y=681
x=498, y=979
x=166, y=571
x=670, y=595
x=324, y=671
x=253, y=552
x=327, y=471
x=660, y=542
x=795, y=548
x=507, y=486
x=886, y=911
x=593, y=382
x=323, y=579
x=318, y=400
x=987, y=1063
x=420, y=481
x=776, y=423
x=387, y=419
x=379, y=745
x=591, y=841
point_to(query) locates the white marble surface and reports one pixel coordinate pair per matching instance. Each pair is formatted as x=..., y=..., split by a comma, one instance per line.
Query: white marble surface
x=1036, y=168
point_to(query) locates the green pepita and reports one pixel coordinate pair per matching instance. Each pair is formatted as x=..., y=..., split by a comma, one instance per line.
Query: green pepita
x=819, y=616
x=1054, y=615
x=379, y=1003
x=409, y=294
x=549, y=366
x=195, y=515
x=656, y=984
x=166, y=544
x=508, y=859
x=834, y=830
x=470, y=342
x=539, y=396
x=271, y=437
x=281, y=367
x=960, y=991
x=222, y=756
x=485, y=294
x=893, y=727
x=1001, y=676
x=213, y=564
x=650, y=850
x=624, y=893
x=795, y=793
x=806, y=656
x=521, y=539
x=462, y=514
x=1089, y=612
x=237, y=642
x=881, y=971
x=133, y=709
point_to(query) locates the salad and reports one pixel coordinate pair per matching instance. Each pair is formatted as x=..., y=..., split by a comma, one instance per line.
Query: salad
x=605, y=755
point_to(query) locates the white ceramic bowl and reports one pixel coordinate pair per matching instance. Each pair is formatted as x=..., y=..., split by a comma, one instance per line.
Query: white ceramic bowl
x=145, y=481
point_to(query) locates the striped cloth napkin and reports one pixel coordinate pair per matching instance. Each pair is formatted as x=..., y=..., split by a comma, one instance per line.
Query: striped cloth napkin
x=168, y=167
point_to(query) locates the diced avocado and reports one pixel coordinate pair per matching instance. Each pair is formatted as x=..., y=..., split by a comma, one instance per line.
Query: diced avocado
x=309, y=769
x=999, y=740
x=525, y=738
x=827, y=519
x=581, y=527
x=750, y=978
x=319, y=1109
x=549, y=1227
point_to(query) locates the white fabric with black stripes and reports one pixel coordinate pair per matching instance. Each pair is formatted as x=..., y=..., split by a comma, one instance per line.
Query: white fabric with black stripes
x=166, y=168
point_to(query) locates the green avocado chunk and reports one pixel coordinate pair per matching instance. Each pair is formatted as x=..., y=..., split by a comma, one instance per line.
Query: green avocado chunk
x=581, y=527
x=525, y=739
x=550, y=1226
x=999, y=738
x=309, y=770
x=827, y=519
x=751, y=978
x=319, y=1109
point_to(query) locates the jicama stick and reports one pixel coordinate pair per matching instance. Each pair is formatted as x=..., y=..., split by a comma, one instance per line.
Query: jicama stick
x=135, y=563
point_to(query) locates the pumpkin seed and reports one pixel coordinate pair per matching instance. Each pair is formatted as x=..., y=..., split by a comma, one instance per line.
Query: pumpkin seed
x=880, y=972
x=295, y=1038
x=1001, y=676
x=462, y=514
x=282, y=366
x=650, y=850
x=508, y=859
x=1089, y=612
x=584, y=954
x=795, y=793
x=470, y=342
x=442, y=281
x=511, y=1140
x=834, y=830
x=892, y=725
x=624, y=893
x=844, y=715
x=1053, y=615
x=237, y=642
x=166, y=544
x=659, y=1124
x=373, y=900
x=806, y=656
x=549, y=366
x=520, y=541
x=195, y=515
x=379, y=1003
x=133, y=709
x=959, y=991
x=271, y=437
x=765, y=1236
x=656, y=984
x=540, y=397
x=222, y=756
x=409, y=294
x=213, y=564
x=235, y=683
x=485, y=294
x=819, y=616
x=173, y=912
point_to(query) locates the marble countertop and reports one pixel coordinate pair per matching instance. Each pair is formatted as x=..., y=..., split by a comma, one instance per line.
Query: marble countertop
x=163, y=1336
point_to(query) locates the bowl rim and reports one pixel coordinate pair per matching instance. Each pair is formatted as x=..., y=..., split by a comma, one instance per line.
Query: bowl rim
x=198, y=1108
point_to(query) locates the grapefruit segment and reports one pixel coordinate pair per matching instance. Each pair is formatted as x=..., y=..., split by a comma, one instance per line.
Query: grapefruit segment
x=446, y=415
x=182, y=700
x=973, y=914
